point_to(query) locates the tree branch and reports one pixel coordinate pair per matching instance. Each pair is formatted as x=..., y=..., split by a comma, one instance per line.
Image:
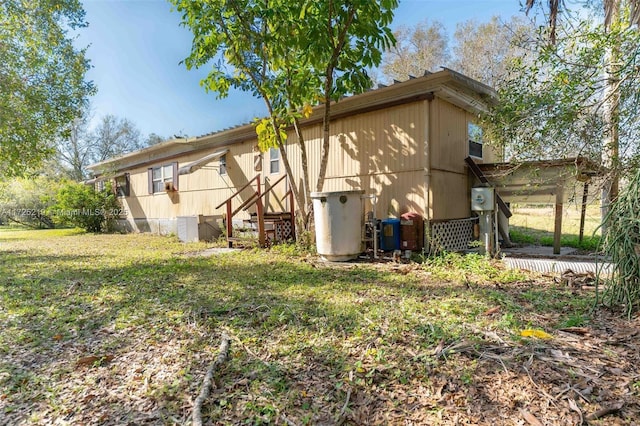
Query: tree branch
x=207, y=383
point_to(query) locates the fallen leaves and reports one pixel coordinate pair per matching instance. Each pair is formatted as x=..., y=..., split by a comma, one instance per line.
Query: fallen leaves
x=539, y=334
x=491, y=311
x=530, y=418
x=94, y=360
x=576, y=330
x=358, y=344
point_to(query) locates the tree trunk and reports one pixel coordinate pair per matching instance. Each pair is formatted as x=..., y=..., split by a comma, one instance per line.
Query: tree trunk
x=301, y=212
x=324, y=156
x=305, y=172
x=338, y=45
x=611, y=111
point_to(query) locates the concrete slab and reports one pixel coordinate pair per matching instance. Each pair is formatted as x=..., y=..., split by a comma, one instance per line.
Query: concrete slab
x=537, y=251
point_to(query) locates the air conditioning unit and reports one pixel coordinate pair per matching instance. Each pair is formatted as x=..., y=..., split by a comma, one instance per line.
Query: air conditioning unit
x=168, y=187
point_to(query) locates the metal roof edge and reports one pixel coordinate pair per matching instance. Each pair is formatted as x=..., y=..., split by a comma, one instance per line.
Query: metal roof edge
x=446, y=80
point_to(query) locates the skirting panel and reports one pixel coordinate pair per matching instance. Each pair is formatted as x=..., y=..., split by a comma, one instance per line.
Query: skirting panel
x=450, y=235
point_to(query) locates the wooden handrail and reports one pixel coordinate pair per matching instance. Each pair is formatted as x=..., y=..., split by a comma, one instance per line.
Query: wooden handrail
x=266, y=192
x=255, y=198
x=238, y=191
x=241, y=206
x=286, y=194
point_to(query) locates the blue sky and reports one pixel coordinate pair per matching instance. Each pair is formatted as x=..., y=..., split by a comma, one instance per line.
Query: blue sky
x=135, y=48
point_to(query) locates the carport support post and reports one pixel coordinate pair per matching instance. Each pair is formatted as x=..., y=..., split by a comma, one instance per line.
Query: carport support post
x=557, y=231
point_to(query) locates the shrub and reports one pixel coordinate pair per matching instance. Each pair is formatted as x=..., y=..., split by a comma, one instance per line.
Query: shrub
x=82, y=206
x=622, y=246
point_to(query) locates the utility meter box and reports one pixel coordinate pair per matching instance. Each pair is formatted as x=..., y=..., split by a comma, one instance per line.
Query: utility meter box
x=483, y=199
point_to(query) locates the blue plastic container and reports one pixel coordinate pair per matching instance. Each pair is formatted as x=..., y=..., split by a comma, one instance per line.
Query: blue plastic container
x=390, y=234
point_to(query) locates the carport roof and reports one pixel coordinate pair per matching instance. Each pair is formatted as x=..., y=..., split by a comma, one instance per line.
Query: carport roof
x=537, y=181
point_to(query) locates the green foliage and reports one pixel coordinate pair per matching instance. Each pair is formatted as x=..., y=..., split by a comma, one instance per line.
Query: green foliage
x=622, y=246
x=554, y=107
x=470, y=267
x=290, y=54
x=541, y=114
x=26, y=201
x=574, y=320
x=82, y=206
x=266, y=134
x=42, y=88
x=521, y=235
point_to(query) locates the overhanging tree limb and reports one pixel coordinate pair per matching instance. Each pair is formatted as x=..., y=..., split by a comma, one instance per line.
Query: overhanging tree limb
x=264, y=47
x=42, y=86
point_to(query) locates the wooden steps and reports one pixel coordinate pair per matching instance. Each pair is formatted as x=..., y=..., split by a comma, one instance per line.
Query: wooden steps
x=270, y=227
x=277, y=227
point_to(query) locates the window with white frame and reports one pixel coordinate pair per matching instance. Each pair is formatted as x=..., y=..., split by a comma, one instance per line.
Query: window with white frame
x=274, y=160
x=474, y=134
x=161, y=176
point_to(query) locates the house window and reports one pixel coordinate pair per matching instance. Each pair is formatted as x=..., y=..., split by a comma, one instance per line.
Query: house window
x=474, y=133
x=163, y=178
x=274, y=161
x=223, y=165
x=122, y=185
x=99, y=185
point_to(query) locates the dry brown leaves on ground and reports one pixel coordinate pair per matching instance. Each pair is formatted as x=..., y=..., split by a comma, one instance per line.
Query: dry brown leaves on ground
x=356, y=345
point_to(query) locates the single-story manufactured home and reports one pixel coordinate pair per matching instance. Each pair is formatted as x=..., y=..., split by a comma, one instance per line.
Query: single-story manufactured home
x=405, y=143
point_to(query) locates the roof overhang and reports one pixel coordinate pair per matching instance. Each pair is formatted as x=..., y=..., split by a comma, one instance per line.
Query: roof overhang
x=446, y=84
x=103, y=177
x=160, y=150
x=539, y=181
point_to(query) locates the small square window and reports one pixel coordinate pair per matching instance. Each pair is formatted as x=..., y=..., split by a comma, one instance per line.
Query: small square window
x=274, y=161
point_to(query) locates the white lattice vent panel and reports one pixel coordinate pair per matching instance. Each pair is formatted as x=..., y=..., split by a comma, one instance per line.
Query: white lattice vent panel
x=451, y=235
x=283, y=231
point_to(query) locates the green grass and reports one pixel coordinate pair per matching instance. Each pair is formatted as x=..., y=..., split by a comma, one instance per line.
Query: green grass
x=535, y=225
x=304, y=335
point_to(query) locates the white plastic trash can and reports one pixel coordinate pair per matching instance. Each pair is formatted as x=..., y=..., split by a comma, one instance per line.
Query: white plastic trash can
x=338, y=220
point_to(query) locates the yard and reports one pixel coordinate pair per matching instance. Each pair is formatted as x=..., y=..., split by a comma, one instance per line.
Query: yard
x=533, y=224
x=120, y=329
